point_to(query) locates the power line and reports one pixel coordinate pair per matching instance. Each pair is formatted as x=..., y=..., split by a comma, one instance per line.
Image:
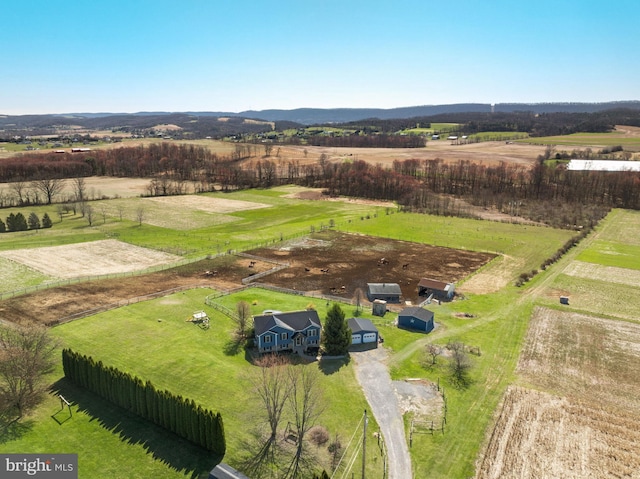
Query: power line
x=347, y=448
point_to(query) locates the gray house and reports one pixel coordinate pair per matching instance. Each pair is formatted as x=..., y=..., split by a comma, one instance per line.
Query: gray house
x=439, y=289
x=296, y=331
x=363, y=331
x=389, y=292
x=224, y=471
x=418, y=319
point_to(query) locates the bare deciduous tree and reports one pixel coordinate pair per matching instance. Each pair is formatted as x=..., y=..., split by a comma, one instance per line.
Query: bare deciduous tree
x=358, y=298
x=26, y=357
x=88, y=213
x=434, y=351
x=243, y=310
x=120, y=210
x=305, y=406
x=103, y=212
x=271, y=389
x=140, y=214
x=18, y=187
x=49, y=187
x=80, y=189
x=268, y=148
x=459, y=363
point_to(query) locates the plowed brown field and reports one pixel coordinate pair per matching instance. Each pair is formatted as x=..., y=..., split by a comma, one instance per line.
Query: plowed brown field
x=586, y=424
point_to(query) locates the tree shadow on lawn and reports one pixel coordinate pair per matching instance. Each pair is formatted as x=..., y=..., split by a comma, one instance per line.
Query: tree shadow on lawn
x=232, y=347
x=13, y=427
x=177, y=453
x=333, y=365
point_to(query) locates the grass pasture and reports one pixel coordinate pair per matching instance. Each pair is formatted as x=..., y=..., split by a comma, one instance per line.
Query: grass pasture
x=498, y=136
x=626, y=137
x=437, y=128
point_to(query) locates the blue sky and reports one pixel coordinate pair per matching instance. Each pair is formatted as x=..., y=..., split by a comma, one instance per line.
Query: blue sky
x=234, y=55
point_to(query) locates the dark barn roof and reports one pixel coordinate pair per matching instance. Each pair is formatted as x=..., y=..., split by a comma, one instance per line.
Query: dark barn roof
x=384, y=288
x=418, y=313
x=358, y=325
x=295, y=320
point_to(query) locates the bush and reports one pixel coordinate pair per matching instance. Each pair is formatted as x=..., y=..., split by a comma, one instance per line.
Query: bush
x=318, y=435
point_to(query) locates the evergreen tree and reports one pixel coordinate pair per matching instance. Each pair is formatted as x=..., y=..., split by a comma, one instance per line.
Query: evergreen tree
x=46, y=221
x=33, y=221
x=11, y=222
x=20, y=223
x=336, y=335
x=3, y=227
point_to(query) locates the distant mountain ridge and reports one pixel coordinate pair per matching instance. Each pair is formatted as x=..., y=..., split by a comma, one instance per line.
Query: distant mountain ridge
x=307, y=116
x=207, y=123
x=310, y=116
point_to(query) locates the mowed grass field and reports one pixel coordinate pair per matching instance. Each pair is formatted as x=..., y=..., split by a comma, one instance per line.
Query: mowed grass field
x=178, y=355
x=627, y=137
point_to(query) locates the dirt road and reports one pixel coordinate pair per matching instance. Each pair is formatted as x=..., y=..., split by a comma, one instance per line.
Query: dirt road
x=373, y=375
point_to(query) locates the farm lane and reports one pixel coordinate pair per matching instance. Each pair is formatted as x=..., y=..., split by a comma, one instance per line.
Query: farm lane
x=373, y=375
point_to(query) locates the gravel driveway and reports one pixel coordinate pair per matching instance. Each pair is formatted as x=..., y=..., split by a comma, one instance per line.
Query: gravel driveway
x=373, y=375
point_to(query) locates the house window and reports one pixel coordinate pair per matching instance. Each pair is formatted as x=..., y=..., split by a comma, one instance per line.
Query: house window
x=267, y=339
x=312, y=332
x=284, y=336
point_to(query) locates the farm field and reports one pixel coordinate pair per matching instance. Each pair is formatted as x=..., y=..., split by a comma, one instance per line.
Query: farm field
x=626, y=136
x=494, y=316
x=585, y=425
x=487, y=152
x=193, y=229
x=573, y=409
x=102, y=186
x=86, y=259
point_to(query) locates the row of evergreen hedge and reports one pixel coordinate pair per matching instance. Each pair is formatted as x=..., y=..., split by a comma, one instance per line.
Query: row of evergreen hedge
x=175, y=413
x=18, y=222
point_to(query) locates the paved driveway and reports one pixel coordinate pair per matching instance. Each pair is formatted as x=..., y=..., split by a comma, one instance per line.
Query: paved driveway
x=373, y=376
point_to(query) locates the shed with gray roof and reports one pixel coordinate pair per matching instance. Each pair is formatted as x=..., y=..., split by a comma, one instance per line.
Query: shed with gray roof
x=389, y=292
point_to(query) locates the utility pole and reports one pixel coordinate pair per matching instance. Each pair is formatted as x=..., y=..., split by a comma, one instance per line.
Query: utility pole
x=364, y=442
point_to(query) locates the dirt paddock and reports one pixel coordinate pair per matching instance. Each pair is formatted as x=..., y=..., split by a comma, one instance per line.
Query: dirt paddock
x=337, y=264
x=350, y=260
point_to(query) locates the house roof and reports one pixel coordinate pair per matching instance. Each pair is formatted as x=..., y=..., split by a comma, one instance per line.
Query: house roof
x=416, y=312
x=433, y=284
x=294, y=321
x=384, y=288
x=224, y=471
x=358, y=325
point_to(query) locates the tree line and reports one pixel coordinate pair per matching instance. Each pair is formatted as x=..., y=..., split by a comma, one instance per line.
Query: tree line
x=18, y=222
x=179, y=415
x=531, y=122
x=548, y=192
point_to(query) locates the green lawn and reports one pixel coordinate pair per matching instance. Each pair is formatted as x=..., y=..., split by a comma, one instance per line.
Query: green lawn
x=153, y=341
